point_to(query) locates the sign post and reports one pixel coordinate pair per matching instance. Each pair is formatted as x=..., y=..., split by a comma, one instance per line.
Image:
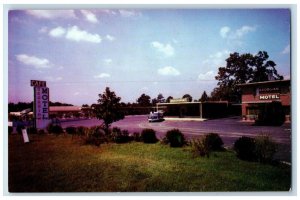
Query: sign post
x=41, y=103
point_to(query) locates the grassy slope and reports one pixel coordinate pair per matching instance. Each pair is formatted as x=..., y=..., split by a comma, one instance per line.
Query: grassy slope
x=63, y=164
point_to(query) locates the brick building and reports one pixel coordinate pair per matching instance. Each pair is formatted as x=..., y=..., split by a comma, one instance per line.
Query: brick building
x=256, y=95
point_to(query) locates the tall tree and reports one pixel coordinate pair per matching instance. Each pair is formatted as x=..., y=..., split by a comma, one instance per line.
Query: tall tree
x=144, y=100
x=204, y=97
x=244, y=68
x=188, y=96
x=108, y=108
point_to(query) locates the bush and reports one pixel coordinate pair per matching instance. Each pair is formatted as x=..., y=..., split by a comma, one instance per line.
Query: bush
x=95, y=135
x=55, y=129
x=245, y=148
x=32, y=130
x=82, y=131
x=175, y=138
x=137, y=137
x=265, y=148
x=261, y=148
x=214, y=142
x=71, y=130
x=200, y=147
x=41, y=132
x=119, y=136
x=149, y=136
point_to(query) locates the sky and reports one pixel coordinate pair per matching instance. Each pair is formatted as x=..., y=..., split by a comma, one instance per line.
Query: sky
x=169, y=51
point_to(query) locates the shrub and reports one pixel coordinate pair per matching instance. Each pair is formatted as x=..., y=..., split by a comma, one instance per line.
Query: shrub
x=265, y=148
x=214, y=142
x=32, y=130
x=261, y=148
x=200, y=147
x=55, y=129
x=95, y=135
x=245, y=148
x=137, y=137
x=41, y=132
x=119, y=136
x=82, y=131
x=71, y=130
x=19, y=128
x=149, y=136
x=175, y=138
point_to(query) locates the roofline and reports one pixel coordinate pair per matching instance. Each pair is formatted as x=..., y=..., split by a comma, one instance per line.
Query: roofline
x=180, y=103
x=264, y=82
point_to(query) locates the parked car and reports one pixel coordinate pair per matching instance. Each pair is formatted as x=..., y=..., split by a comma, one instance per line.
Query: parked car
x=156, y=117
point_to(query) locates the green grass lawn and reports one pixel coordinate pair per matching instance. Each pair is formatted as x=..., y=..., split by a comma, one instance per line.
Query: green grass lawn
x=61, y=164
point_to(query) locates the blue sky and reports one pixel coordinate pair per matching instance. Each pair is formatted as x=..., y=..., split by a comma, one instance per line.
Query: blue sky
x=151, y=51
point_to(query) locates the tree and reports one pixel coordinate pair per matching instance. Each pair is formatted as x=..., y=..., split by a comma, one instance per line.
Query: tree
x=204, y=97
x=108, y=108
x=144, y=100
x=160, y=98
x=244, y=68
x=189, y=97
x=169, y=99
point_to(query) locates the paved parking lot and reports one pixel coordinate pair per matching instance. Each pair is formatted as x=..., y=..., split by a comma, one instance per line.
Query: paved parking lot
x=229, y=129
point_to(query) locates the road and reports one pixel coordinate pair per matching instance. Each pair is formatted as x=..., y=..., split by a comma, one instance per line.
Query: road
x=229, y=129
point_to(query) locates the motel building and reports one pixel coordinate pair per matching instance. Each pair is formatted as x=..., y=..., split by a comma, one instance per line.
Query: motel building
x=256, y=95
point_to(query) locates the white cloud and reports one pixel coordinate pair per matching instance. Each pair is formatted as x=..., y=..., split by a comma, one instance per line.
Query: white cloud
x=57, y=32
x=74, y=33
x=166, y=49
x=52, y=14
x=38, y=63
x=102, y=75
x=207, y=76
x=107, y=61
x=110, y=38
x=89, y=16
x=224, y=31
x=76, y=93
x=286, y=50
x=217, y=58
x=168, y=71
x=244, y=30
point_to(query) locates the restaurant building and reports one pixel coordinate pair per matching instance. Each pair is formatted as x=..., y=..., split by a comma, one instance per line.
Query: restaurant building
x=183, y=108
x=256, y=95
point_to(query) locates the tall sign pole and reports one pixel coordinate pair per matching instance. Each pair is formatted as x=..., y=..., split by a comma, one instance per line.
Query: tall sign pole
x=41, y=103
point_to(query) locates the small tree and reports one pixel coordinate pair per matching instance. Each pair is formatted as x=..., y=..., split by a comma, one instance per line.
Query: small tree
x=108, y=108
x=188, y=96
x=204, y=97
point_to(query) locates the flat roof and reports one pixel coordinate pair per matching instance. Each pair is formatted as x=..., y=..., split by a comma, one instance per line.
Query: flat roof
x=64, y=108
x=192, y=102
x=264, y=82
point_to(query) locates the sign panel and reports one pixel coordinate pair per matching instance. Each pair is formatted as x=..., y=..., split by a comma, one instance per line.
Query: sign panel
x=41, y=106
x=25, y=135
x=36, y=83
x=269, y=97
x=181, y=100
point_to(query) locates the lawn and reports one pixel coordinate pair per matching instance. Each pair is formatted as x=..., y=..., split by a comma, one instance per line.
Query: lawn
x=61, y=163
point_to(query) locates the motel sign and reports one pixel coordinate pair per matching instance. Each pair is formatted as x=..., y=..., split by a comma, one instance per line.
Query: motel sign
x=41, y=103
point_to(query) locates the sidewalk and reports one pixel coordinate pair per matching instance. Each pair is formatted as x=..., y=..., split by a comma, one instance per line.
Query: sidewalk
x=184, y=119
